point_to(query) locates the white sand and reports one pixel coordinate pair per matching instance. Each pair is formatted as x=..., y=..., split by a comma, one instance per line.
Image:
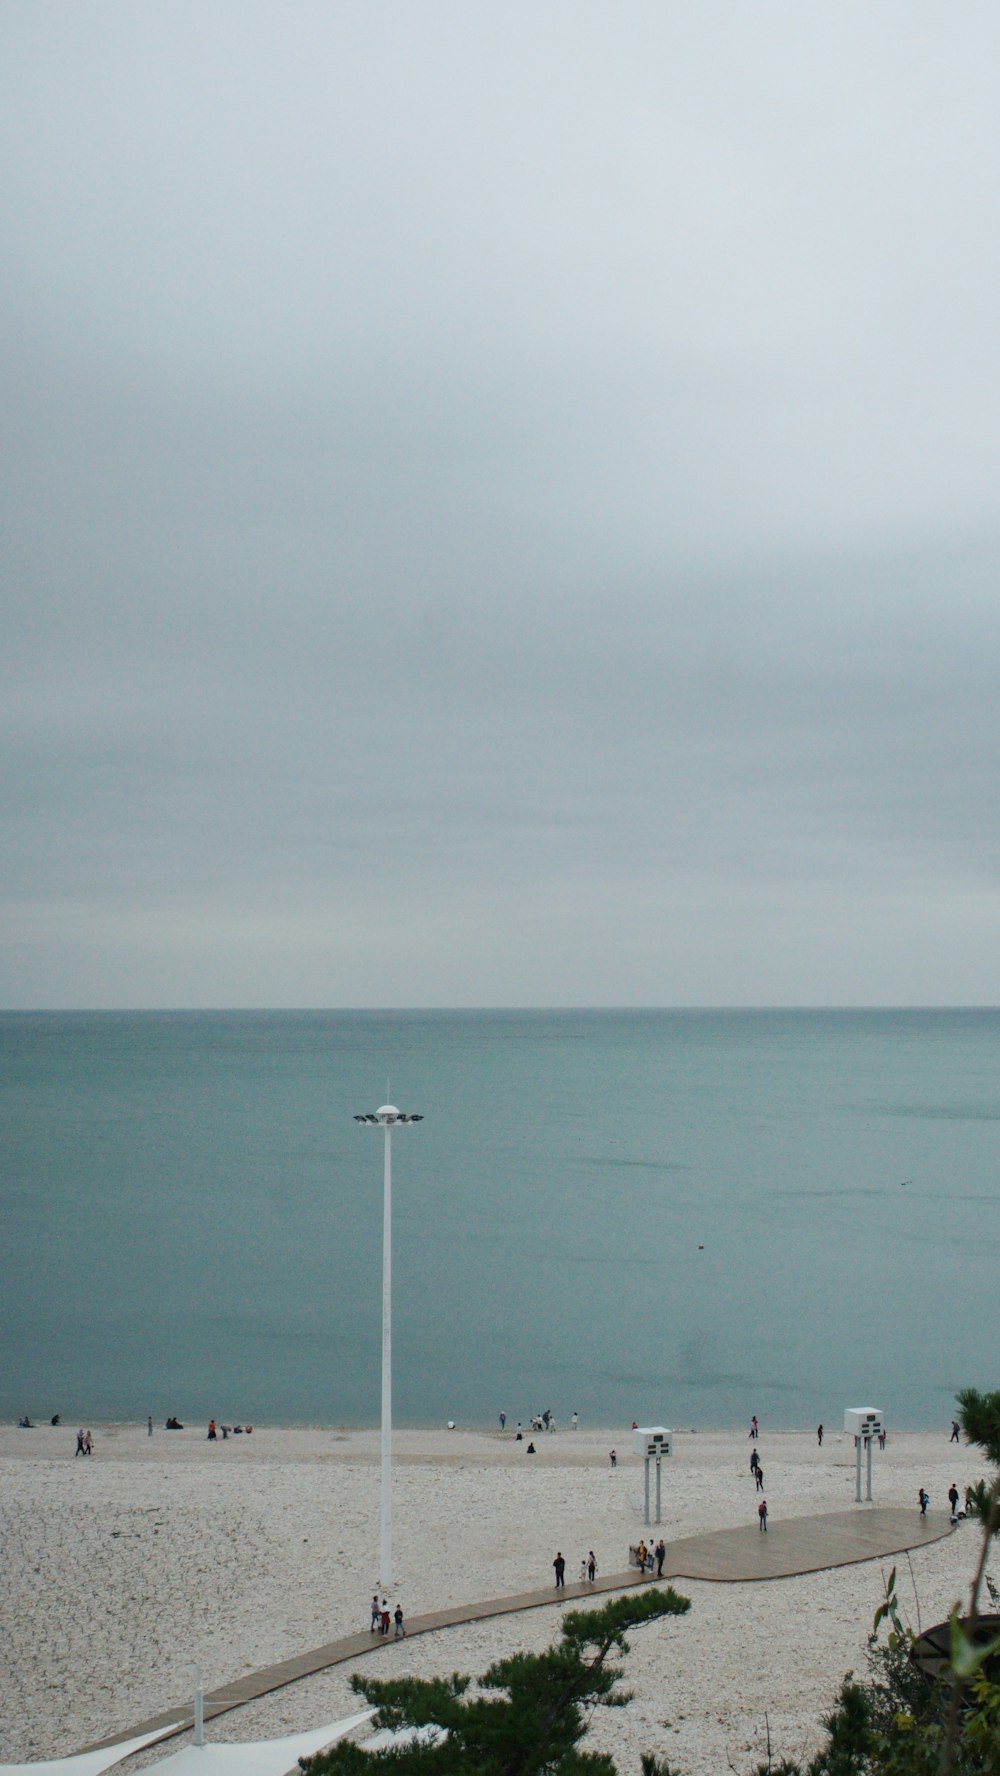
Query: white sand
x=123, y=1571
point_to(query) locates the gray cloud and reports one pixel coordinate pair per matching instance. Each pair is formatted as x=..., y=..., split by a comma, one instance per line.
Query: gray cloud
x=501, y=505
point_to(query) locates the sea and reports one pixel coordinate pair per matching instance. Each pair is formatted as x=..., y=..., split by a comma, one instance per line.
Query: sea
x=678, y=1217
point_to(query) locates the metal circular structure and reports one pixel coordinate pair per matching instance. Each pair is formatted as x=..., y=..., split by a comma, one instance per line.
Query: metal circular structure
x=932, y=1651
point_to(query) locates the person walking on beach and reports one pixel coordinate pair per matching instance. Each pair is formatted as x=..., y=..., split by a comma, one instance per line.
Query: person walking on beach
x=753, y=1427
x=376, y=1614
x=88, y=1444
x=954, y=1431
x=762, y=1514
x=881, y=1437
x=923, y=1501
x=398, y=1619
x=81, y=1448
x=574, y=1422
x=613, y=1458
x=754, y=1460
x=760, y=1478
x=591, y=1566
x=503, y=1420
x=559, y=1566
x=953, y=1501
x=819, y=1435
x=384, y=1618
x=583, y=1570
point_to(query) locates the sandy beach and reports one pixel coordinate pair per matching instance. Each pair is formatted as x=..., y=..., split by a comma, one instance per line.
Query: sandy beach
x=124, y=1571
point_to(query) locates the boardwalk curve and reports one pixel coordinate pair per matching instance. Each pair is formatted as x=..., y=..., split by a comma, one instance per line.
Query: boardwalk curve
x=789, y=1548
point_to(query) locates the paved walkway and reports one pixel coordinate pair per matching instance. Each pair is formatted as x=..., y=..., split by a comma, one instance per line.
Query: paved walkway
x=728, y=1556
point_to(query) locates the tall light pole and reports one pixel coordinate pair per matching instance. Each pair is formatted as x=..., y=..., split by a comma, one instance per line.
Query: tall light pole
x=386, y=1119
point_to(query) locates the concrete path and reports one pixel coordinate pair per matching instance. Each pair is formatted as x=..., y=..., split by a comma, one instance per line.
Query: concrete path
x=727, y=1556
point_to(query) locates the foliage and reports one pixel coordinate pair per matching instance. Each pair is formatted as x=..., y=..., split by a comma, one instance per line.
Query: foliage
x=525, y=1716
x=901, y=1722
x=980, y=1417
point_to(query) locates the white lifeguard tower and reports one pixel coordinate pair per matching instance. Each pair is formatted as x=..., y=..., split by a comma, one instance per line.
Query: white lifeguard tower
x=864, y=1424
x=652, y=1442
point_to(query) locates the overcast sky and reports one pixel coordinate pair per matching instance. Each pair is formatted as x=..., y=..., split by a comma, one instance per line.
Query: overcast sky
x=501, y=503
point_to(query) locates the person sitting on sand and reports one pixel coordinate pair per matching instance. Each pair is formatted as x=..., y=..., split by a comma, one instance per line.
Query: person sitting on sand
x=531, y=1450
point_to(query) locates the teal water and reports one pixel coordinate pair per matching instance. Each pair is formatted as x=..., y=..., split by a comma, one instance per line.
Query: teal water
x=680, y=1217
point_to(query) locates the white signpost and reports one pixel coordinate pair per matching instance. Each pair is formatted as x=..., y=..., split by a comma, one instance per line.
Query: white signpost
x=652, y=1442
x=864, y=1424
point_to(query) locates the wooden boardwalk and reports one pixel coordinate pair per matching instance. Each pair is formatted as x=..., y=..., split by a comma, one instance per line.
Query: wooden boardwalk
x=726, y=1556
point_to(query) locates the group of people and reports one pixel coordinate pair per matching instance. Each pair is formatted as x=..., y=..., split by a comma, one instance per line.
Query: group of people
x=84, y=1444
x=382, y=1617
x=651, y=1559
x=542, y=1421
x=588, y=1570
x=924, y=1499
x=758, y=1472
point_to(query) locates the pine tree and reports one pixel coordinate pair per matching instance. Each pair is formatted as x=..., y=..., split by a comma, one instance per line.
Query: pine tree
x=525, y=1716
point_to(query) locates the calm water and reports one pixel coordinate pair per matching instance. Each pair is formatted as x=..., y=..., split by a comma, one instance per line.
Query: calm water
x=680, y=1217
